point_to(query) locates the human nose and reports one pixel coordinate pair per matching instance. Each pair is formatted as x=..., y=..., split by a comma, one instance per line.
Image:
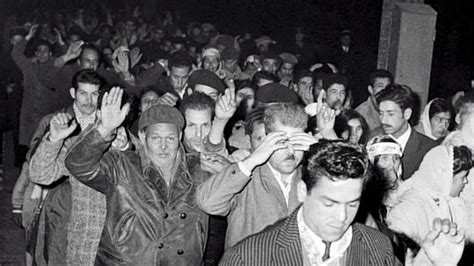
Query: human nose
x=199, y=132
x=341, y=214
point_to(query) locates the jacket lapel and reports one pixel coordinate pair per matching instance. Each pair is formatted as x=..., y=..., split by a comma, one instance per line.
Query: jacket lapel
x=357, y=254
x=271, y=185
x=411, y=148
x=288, y=243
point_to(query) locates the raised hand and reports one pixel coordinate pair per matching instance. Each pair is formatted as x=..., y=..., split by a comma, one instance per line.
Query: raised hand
x=59, y=37
x=111, y=115
x=31, y=32
x=135, y=56
x=61, y=126
x=444, y=244
x=168, y=99
x=302, y=141
x=121, y=64
x=273, y=141
x=225, y=105
x=213, y=163
x=74, y=50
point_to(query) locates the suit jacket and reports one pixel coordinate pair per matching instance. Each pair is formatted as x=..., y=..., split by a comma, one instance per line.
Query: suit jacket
x=250, y=203
x=417, y=146
x=280, y=244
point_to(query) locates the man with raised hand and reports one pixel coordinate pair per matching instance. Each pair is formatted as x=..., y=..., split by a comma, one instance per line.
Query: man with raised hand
x=261, y=189
x=152, y=216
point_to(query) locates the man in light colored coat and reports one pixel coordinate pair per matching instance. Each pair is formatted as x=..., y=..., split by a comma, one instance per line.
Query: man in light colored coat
x=261, y=189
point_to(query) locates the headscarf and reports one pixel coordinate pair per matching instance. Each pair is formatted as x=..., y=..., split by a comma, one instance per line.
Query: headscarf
x=425, y=121
x=434, y=178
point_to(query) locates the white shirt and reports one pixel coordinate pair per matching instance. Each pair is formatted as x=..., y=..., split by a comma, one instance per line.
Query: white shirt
x=314, y=246
x=181, y=93
x=285, y=183
x=403, y=139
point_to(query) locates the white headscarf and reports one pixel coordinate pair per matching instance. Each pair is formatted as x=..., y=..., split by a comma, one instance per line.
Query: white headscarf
x=425, y=121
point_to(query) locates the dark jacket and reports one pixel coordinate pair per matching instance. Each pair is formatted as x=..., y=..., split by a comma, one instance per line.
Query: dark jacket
x=417, y=146
x=415, y=149
x=280, y=244
x=147, y=223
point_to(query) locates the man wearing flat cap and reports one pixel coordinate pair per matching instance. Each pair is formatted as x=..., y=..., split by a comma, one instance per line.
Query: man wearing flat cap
x=152, y=216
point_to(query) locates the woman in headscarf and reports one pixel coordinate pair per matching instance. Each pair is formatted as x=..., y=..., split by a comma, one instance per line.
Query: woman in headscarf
x=433, y=191
x=435, y=119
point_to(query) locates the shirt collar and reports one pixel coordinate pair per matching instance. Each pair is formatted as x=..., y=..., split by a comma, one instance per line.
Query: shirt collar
x=403, y=139
x=315, y=247
x=83, y=120
x=281, y=181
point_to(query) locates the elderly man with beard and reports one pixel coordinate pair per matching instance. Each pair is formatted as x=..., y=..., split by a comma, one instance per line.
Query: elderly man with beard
x=261, y=189
x=152, y=216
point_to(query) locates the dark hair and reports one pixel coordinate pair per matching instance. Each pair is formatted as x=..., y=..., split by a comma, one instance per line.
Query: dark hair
x=263, y=75
x=197, y=101
x=255, y=116
x=336, y=160
x=180, y=60
x=42, y=42
x=462, y=159
x=331, y=79
x=380, y=73
x=89, y=46
x=399, y=94
x=438, y=106
x=87, y=76
x=302, y=74
x=342, y=124
x=242, y=84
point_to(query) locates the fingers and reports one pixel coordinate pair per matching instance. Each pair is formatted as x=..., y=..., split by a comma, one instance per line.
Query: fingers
x=125, y=110
x=302, y=141
x=445, y=226
x=61, y=118
x=113, y=97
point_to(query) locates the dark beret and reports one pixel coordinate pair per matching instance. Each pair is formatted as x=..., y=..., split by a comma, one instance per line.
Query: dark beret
x=208, y=78
x=275, y=92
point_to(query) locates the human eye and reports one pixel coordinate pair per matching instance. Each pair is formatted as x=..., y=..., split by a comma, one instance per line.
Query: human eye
x=354, y=204
x=328, y=203
x=171, y=138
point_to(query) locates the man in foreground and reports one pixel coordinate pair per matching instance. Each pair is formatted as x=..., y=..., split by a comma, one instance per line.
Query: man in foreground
x=152, y=217
x=321, y=231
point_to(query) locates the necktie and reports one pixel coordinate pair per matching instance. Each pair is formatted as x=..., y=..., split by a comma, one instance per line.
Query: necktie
x=326, y=251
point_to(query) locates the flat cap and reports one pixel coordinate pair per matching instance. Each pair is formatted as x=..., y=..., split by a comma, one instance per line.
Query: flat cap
x=158, y=114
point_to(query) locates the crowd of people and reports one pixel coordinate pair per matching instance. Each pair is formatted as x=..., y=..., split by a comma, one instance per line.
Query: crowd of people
x=168, y=142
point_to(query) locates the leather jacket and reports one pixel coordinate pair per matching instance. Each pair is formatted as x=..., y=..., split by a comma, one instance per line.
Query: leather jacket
x=147, y=223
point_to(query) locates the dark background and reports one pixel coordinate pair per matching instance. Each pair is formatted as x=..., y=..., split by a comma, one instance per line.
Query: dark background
x=321, y=20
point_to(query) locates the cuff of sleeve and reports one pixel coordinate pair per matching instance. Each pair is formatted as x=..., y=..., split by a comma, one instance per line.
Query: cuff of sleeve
x=46, y=138
x=213, y=147
x=17, y=211
x=244, y=169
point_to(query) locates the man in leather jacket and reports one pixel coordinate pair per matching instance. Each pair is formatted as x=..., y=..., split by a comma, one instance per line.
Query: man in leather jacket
x=152, y=216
